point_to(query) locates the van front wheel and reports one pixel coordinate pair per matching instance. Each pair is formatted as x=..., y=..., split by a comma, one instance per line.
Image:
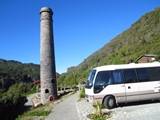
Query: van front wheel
x=109, y=102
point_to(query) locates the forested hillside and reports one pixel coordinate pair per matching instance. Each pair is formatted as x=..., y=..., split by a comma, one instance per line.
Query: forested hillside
x=143, y=37
x=15, y=72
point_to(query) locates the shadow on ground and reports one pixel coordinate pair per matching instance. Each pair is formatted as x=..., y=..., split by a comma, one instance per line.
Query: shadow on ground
x=138, y=103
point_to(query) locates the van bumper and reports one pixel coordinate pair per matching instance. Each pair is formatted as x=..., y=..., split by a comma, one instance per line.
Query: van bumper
x=91, y=99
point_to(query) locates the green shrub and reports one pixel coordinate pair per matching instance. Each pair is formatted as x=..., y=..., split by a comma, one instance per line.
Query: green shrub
x=13, y=96
x=27, y=88
x=12, y=102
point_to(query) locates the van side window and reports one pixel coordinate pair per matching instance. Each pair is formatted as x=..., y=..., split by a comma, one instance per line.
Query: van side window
x=118, y=77
x=143, y=75
x=154, y=73
x=130, y=75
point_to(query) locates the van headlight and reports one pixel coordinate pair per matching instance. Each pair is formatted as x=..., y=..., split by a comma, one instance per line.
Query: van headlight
x=89, y=98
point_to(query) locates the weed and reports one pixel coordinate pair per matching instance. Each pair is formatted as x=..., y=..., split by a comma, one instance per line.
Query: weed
x=82, y=93
x=98, y=115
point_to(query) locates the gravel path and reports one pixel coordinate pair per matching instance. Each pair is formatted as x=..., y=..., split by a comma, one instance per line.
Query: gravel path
x=84, y=108
x=65, y=110
x=70, y=108
x=148, y=111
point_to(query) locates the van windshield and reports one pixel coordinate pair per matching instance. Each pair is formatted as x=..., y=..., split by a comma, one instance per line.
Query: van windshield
x=103, y=79
x=89, y=82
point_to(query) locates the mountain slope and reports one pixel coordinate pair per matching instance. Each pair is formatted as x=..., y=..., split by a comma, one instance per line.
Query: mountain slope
x=143, y=37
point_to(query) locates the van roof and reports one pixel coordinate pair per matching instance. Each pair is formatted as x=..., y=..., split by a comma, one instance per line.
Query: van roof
x=127, y=66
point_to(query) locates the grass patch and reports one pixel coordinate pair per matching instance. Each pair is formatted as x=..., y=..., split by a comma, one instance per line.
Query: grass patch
x=39, y=112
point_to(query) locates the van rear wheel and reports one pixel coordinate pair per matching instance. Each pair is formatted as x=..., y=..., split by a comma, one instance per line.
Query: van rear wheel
x=109, y=102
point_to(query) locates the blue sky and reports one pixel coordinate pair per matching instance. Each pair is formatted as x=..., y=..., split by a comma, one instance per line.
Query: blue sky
x=80, y=27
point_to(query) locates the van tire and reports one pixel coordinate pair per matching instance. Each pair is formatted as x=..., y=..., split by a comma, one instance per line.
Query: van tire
x=109, y=102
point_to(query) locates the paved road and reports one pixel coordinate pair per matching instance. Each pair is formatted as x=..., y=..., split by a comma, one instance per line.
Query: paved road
x=147, y=111
x=65, y=110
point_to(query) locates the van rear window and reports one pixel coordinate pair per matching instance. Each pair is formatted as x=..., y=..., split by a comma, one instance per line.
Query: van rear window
x=148, y=74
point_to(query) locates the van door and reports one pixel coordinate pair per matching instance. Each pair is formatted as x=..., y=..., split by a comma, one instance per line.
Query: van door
x=131, y=86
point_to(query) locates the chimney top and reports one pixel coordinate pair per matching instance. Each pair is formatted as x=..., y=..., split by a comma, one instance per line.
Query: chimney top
x=46, y=9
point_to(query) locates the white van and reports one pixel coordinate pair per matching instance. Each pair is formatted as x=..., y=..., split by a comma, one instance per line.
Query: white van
x=113, y=84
